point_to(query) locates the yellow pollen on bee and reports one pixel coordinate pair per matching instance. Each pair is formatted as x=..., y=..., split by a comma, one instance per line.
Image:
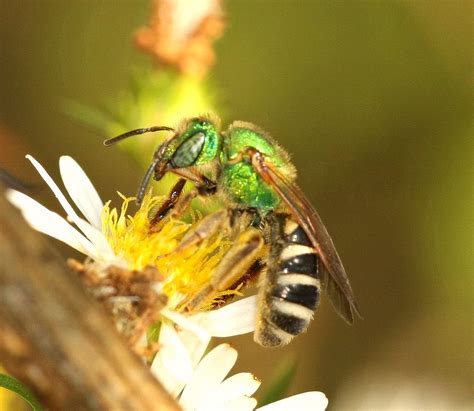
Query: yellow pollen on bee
x=185, y=271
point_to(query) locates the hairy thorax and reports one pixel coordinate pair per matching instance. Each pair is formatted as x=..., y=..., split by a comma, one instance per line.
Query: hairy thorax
x=244, y=187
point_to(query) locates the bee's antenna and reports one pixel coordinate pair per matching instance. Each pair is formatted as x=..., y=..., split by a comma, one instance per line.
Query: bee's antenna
x=135, y=132
x=146, y=181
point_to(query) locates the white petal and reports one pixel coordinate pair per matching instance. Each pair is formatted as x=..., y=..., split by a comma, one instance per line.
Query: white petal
x=100, y=243
x=195, y=348
x=81, y=190
x=91, y=232
x=308, y=401
x=233, y=319
x=172, y=364
x=233, y=392
x=186, y=323
x=193, y=338
x=50, y=223
x=239, y=404
x=207, y=376
x=54, y=188
x=195, y=345
x=239, y=385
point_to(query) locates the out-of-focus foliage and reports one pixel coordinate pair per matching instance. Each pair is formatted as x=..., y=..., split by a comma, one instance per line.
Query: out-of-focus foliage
x=374, y=100
x=14, y=386
x=152, y=97
x=279, y=381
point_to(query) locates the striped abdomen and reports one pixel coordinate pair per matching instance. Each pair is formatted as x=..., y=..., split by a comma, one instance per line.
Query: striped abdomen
x=290, y=289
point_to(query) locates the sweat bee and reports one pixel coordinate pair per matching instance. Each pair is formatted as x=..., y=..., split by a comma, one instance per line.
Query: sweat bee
x=255, y=179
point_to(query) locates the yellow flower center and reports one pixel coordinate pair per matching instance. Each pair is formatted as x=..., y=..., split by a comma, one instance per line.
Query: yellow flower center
x=185, y=271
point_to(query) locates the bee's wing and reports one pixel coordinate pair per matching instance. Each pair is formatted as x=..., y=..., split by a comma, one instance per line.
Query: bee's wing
x=333, y=276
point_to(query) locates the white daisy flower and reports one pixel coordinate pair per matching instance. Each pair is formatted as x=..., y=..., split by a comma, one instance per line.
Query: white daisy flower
x=89, y=239
x=203, y=386
x=112, y=238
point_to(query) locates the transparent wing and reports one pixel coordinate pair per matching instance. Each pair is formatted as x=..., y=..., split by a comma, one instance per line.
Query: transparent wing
x=333, y=276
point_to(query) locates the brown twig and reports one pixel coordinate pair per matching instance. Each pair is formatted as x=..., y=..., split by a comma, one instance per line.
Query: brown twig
x=56, y=339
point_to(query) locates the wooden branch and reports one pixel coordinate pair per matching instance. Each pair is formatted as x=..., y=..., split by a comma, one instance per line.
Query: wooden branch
x=58, y=341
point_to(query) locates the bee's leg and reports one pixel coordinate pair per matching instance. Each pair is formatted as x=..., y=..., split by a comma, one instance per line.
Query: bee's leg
x=290, y=288
x=232, y=221
x=169, y=204
x=238, y=263
x=204, y=229
x=176, y=204
x=248, y=279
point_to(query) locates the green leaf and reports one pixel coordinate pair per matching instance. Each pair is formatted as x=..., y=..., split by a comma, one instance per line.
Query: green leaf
x=279, y=382
x=153, y=332
x=16, y=386
x=86, y=115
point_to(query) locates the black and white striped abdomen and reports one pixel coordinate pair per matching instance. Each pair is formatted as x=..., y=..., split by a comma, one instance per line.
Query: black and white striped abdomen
x=292, y=289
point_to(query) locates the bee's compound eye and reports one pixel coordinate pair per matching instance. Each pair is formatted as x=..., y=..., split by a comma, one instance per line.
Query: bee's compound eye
x=188, y=152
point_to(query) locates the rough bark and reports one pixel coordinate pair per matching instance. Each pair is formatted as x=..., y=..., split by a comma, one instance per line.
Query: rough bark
x=56, y=339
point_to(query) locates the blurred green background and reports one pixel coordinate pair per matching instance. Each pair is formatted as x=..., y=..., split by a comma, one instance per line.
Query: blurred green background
x=374, y=101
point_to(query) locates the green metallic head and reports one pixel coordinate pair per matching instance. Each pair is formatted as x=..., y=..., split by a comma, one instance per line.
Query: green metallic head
x=195, y=142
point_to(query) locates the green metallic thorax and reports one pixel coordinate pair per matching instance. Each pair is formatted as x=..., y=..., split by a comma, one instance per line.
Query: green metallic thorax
x=239, y=180
x=246, y=188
